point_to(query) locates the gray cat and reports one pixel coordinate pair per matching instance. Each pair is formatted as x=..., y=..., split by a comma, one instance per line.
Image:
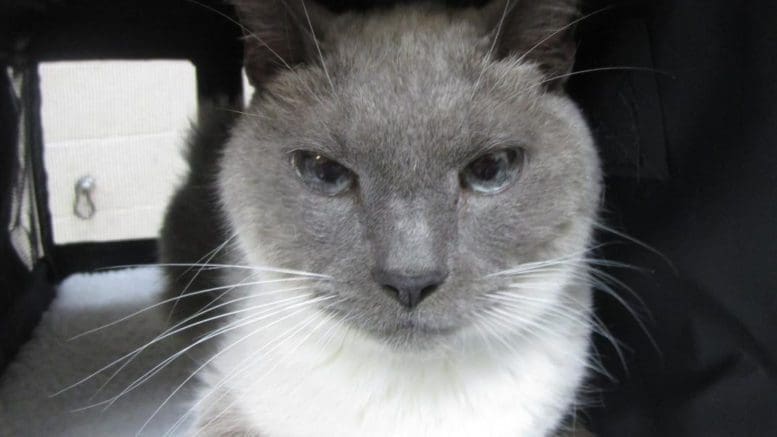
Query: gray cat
x=391, y=240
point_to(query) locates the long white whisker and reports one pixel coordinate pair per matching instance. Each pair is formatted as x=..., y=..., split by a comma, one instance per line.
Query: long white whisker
x=542, y=328
x=173, y=299
x=247, y=31
x=270, y=306
x=491, y=49
x=596, y=278
x=595, y=70
x=494, y=333
x=253, y=36
x=205, y=364
x=636, y=241
x=207, y=259
x=277, y=345
x=525, y=267
x=239, y=368
x=559, y=30
x=235, y=325
x=226, y=266
x=145, y=346
x=318, y=46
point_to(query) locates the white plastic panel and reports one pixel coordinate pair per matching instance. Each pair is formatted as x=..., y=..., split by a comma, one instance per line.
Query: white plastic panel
x=122, y=123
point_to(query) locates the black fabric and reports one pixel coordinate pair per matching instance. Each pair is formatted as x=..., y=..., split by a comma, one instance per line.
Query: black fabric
x=692, y=158
x=23, y=294
x=12, y=268
x=33, y=135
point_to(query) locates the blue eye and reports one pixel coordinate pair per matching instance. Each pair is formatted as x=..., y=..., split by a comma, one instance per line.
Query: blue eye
x=492, y=172
x=321, y=173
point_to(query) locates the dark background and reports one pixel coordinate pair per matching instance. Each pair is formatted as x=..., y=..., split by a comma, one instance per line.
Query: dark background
x=690, y=151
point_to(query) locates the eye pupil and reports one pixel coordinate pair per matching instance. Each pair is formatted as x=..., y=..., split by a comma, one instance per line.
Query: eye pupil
x=327, y=170
x=321, y=173
x=486, y=168
x=492, y=172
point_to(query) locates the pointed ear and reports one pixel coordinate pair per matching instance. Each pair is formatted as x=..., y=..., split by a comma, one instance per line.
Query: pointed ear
x=539, y=31
x=279, y=34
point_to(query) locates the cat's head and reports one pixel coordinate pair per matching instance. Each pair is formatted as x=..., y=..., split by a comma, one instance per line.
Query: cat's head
x=412, y=154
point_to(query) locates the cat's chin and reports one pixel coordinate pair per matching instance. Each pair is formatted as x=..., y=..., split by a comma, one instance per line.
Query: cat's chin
x=406, y=330
x=412, y=335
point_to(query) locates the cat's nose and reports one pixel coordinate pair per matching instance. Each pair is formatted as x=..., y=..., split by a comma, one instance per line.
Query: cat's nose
x=409, y=289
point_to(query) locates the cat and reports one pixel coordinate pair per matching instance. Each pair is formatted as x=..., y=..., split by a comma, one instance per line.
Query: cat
x=391, y=240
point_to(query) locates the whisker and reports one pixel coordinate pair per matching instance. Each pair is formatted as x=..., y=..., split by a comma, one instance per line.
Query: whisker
x=269, y=371
x=578, y=256
x=597, y=279
x=562, y=29
x=246, y=30
x=495, y=333
x=591, y=275
x=600, y=69
x=247, y=114
x=584, y=317
x=201, y=367
x=640, y=243
x=207, y=259
x=491, y=49
x=253, y=36
x=544, y=328
x=318, y=46
x=239, y=368
x=531, y=49
x=209, y=256
x=173, y=299
x=170, y=332
x=602, y=276
x=608, y=290
x=616, y=344
x=236, y=325
x=227, y=266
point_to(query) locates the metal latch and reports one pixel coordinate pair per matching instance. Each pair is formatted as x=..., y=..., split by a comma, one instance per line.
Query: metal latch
x=83, y=207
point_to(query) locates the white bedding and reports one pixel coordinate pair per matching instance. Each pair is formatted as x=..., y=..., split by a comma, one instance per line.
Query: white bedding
x=50, y=362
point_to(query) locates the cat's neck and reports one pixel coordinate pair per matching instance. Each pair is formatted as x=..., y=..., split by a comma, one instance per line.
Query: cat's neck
x=344, y=383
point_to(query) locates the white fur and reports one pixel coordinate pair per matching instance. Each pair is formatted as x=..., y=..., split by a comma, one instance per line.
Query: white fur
x=337, y=382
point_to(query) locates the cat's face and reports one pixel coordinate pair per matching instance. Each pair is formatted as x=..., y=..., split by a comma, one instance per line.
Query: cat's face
x=410, y=171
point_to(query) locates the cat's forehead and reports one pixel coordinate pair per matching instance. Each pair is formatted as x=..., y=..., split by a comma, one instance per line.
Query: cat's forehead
x=412, y=92
x=406, y=44
x=442, y=119
x=421, y=86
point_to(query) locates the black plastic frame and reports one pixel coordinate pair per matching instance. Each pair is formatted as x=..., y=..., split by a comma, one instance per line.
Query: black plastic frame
x=36, y=32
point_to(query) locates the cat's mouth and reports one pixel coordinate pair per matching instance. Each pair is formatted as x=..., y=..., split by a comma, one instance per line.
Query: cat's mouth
x=398, y=326
x=409, y=331
x=414, y=332
x=405, y=327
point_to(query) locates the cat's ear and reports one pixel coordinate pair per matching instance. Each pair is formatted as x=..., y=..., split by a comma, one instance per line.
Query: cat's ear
x=539, y=31
x=279, y=34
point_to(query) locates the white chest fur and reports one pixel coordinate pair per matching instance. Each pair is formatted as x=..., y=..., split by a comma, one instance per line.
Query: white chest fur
x=339, y=383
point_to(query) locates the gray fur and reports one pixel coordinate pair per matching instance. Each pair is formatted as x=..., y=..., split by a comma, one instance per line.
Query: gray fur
x=406, y=98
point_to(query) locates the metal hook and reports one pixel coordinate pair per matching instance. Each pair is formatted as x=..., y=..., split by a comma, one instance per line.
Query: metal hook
x=83, y=207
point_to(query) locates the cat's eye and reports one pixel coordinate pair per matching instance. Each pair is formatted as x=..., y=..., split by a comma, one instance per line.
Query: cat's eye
x=320, y=173
x=492, y=172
